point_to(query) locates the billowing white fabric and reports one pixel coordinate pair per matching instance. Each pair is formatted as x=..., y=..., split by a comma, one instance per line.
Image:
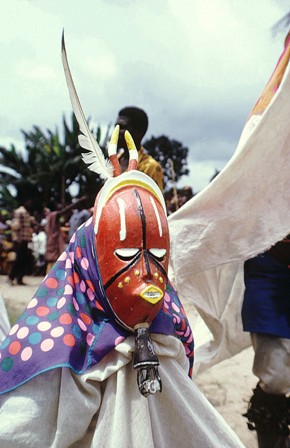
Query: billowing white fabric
x=241, y=213
x=4, y=320
x=271, y=362
x=103, y=408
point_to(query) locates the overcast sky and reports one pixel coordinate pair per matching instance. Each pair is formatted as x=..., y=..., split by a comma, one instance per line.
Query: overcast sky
x=196, y=66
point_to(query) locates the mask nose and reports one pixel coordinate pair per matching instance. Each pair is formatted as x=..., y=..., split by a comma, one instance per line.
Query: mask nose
x=146, y=268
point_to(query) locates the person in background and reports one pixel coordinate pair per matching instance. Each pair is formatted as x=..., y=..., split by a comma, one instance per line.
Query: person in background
x=55, y=243
x=184, y=195
x=7, y=255
x=3, y=228
x=78, y=217
x=21, y=227
x=266, y=315
x=135, y=120
x=44, y=215
x=39, y=248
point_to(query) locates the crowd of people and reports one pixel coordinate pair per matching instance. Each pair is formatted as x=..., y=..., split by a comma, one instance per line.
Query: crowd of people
x=40, y=238
x=30, y=242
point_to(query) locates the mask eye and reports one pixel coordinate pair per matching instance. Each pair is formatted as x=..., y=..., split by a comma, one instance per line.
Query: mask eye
x=126, y=253
x=159, y=254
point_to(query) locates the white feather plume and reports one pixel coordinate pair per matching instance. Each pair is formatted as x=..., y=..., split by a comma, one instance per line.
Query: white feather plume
x=94, y=157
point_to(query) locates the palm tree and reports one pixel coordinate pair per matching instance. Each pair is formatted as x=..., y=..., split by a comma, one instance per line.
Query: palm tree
x=14, y=173
x=51, y=168
x=48, y=168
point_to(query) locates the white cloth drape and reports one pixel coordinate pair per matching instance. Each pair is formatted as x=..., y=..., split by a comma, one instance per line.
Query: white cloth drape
x=4, y=320
x=103, y=408
x=241, y=213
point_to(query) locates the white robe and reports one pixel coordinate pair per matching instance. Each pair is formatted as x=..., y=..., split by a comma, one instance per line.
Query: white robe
x=241, y=213
x=103, y=408
x=4, y=320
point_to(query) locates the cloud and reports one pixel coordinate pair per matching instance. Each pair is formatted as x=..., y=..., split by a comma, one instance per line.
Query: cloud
x=201, y=172
x=197, y=67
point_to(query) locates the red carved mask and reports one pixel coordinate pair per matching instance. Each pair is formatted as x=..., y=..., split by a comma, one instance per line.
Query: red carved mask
x=132, y=243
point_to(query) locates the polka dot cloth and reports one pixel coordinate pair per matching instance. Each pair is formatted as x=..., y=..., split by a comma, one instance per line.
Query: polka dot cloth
x=68, y=322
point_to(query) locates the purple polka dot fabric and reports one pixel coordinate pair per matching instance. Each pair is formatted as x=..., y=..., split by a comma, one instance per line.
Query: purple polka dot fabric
x=68, y=322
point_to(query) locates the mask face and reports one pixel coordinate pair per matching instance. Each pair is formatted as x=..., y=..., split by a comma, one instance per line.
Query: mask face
x=132, y=246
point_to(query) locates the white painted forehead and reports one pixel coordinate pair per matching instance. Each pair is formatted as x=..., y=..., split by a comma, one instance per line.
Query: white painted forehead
x=122, y=214
x=134, y=178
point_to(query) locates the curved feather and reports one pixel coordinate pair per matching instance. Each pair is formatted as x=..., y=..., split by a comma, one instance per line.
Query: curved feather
x=94, y=158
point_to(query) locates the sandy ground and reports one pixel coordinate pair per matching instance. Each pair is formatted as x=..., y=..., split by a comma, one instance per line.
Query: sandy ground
x=228, y=385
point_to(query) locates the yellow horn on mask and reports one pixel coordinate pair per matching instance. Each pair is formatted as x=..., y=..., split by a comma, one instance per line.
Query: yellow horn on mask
x=112, y=151
x=133, y=153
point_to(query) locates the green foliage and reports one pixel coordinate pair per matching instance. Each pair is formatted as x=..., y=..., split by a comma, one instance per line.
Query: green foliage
x=47, y=169
x=51, y=164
